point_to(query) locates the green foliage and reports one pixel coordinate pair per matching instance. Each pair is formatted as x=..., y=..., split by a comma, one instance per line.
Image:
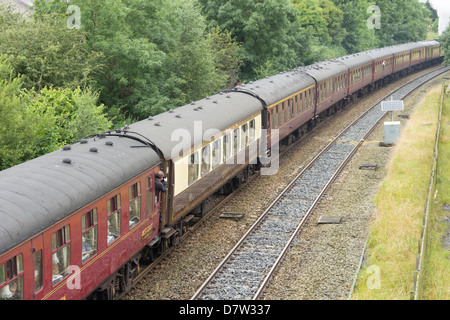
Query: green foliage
x=358, y=36
x=68, y=115
x=271, y=37
x=324, y=17
x=402, y=21
x=14, y=136
x=34, y=123
x=45, y=52
x=445, y=43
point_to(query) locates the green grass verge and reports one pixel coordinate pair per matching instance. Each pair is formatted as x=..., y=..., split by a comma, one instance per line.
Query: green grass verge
x=437, y=269
x=391, y=252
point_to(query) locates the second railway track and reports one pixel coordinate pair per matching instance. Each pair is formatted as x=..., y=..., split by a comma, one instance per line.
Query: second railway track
x=247, y=269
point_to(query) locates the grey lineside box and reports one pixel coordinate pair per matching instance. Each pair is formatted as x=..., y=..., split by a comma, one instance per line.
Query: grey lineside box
x=391, y=132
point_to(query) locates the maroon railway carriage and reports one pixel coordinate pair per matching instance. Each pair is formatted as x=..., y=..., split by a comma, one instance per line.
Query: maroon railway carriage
x=75, y=220
x=360, y=67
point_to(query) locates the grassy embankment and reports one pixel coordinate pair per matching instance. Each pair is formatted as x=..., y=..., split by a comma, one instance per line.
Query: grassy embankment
x=437, y=269
x=395, y=232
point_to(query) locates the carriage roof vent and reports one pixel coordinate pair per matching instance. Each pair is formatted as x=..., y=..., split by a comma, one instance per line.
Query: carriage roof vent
x=178, y=116
x=93, y=149
x=66, y=148
x=83, y=141
x=150, y=118
x=67, y=160
x=109, y=143
x=158, y=124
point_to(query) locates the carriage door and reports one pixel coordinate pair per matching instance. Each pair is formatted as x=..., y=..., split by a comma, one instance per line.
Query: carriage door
x=37, y=258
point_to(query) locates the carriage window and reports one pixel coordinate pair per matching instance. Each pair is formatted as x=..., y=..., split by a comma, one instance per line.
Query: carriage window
x=272, y=123
x=134, y=196
x=2, y=274
x=296, y=104
x=150, y=195
x=193, y=168
x=235, y=141
x=205, y=160
x=252, y=130
x=226, y=147
x=276, y=117
x=215, y=154
x=37, y=271
x=89, y=236
x=292, y=105
x=113, y=206
x=11, y=279
x=244, y=136
x=61, y=254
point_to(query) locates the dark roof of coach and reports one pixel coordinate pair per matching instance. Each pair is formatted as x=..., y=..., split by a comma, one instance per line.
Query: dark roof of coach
x=197, y=121
x=38, y=193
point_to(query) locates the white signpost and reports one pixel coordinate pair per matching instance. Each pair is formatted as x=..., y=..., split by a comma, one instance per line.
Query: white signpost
x=392, y=128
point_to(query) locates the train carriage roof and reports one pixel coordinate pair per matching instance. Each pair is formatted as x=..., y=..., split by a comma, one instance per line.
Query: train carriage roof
x=430, y=43
x=39, y=193
x=376, y=54
x=275, y=88
x=324, y=70
x=354, y=60
x=196, y=122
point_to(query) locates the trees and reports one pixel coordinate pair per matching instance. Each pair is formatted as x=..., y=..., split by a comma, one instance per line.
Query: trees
x=14, y=133
x=34, y=123
x=193, y=64
x=270, y=36
x=45, y=52
x=444, y=39
x=358, y=37
x=157, y=54
x=401, y=21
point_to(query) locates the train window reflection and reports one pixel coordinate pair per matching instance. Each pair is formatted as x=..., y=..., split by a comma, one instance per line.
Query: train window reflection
x=252, y=130
x=37, y=270
x=89, y=237
x=61, y=254
x=215, y=154
x=134, y=194
x=113, y=206
x=227, y=147
x=11, y=279
x=205, y=160
x=244, y=136
x=193, y=168
x=235, y=141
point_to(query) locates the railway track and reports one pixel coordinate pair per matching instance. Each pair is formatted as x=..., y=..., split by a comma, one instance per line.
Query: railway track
x=247, y=269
